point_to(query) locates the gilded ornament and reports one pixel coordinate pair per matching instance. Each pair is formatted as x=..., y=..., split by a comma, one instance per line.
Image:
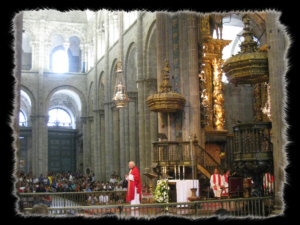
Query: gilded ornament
x=166, y=101
x=250, y=65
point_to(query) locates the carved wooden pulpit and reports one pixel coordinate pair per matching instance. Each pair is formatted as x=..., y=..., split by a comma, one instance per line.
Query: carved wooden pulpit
x=151, y=176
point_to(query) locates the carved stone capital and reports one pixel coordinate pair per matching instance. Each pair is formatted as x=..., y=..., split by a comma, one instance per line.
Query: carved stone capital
x=132, y=96
x=140, y=81
x=101, y=112
x=36, y=117
x=83, y=119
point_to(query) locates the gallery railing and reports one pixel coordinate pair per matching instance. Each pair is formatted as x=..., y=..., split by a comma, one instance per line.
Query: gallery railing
x=252, y=138
x=170, y=153
x=70, y=199
x=239, y=207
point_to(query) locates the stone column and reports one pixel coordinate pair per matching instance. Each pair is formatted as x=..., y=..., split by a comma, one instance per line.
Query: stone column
x=86, y=57
x=132, y=127
x=126, y=137
x=82, y=48
x=34, y=56
x=40, y=118
x=140, y=160
x=123, y=165
x=40, y=144
x=108, y=143
x=34, y=146
x=102, y=144
x=41, y=48
x=86, y=143
x=97, y=149
x=122, y=141
x=184, y=74
x=98, y=43
x=102, y=41
x=92, y=155
x=47, y=57
x=115, y=22
x=192, y=51
x=161, y=46
x=116, y=141
x=277, y=66
x=18, y=27
x=153, y=123
x=66, y=47
x=97, y=131
x=147, y=145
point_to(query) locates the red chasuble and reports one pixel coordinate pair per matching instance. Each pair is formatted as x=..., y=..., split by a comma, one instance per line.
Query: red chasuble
x=226, y=178
x=219, y=180
x=131, y=184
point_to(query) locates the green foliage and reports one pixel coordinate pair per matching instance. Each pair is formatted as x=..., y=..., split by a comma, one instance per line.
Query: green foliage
x=160, y=194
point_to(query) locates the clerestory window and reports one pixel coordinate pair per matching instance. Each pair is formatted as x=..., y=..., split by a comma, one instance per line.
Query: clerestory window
x=60, y=62
x=22, y=119
x=59, y=117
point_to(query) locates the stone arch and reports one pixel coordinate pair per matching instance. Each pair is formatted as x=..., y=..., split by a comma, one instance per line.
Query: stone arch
x=113, y=77
x=27, y=28
x=150, y=72
x=27, y=103
x=74, y=91
x=31, y=97
x=101, y=89
x=131, y=67
x=91, y=99
x=66, y=35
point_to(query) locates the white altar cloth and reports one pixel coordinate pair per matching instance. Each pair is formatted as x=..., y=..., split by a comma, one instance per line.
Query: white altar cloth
x=183, y=189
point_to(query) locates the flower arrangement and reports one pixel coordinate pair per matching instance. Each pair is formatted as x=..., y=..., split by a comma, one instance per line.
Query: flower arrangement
x=160, y=193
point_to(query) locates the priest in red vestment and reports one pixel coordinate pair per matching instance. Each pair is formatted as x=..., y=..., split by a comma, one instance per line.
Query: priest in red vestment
x=134, y=187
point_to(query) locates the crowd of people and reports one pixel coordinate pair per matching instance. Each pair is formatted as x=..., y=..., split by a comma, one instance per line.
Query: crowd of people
x=67, y=182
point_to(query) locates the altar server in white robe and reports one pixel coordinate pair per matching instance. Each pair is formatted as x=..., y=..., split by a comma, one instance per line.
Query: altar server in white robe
x=225, y=182
x=215, y=183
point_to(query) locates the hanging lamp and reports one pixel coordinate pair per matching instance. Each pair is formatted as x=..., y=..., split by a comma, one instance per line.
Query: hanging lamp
x=120, y=97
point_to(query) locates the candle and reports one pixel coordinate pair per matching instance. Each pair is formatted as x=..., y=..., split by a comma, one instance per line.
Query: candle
x=175, y=171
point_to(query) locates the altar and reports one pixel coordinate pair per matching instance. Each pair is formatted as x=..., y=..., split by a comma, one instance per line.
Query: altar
x=183, y=189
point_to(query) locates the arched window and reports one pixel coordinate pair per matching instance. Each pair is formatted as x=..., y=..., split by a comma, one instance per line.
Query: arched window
x=22, y=119
x=59, y=117
x=60, y=62
x=26, y=52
